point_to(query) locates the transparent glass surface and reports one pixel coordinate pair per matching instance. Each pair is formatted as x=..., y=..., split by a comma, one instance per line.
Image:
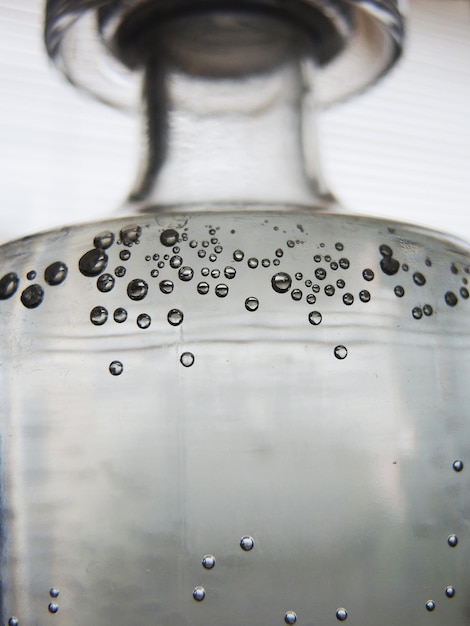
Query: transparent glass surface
x=235, y=418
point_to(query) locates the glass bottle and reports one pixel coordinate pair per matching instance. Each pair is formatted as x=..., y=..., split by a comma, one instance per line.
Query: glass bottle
x=239, y=404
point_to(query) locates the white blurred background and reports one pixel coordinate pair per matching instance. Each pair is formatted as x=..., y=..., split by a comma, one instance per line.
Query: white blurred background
x=402, y=150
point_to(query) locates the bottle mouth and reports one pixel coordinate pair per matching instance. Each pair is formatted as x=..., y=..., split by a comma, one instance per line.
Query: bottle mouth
x=102, y=46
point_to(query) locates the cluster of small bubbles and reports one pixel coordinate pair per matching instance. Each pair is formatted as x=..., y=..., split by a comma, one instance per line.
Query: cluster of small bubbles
x=221, y=290
x=8, y=285
x=104, y=240
x=215, y=273
x=208, y=561
x=341, y=615
x=348, y=299
x=464, y=293
x=105, y=282
x=430, y=605
x=265, y=262
x=457, y=465
x=253, y=263
x=329, y=290
x=238, y=255
x=144, y=320
x=399, y=291
x=252, y=304
x=279, y=253
x=55, y=273
x=320, y=273
x=120, y=315
x=130, y=234
x=368, y=274
x=187, y=359
x=175, y=317
x=54, y=593
x=116, y=368
x=184, y=236
x=203, y=288
x=344, y=264
x=176, y=261
x=388, y=264
x=450, y=298
x=364, y=295
x=290, y=617
x=341, y=352
x=296, y=295
x=185, y=273
x=169, y=237
x=120, y=271
x=452, y=540
x=311, y=298
x=137, y=289
x=13, y=621
x=125, y=255
x=93, y=262
x=98, y=315
x=199, y=593
x=154, y=273
x=340, y=283
x=281, y=282
x=166, y=286
x=417, y=312
x=230, y=272
x=247, y=543
x=32, y=296
x=339, y=246
x=315, y=317
x=428, y=310
x=419, y=279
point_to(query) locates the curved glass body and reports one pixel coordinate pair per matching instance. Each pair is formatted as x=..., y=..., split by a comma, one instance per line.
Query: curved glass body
x=232, y=418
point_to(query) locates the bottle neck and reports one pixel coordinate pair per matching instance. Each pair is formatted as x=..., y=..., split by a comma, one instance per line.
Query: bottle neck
x=229, y=115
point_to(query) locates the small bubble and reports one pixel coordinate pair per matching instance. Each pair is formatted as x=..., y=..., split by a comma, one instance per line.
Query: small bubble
x=154, y=273
x=193, y=243
x=169, y=237
x=32, y=296
x=201, y=253
x=399, y=291
x=417, y=312
x=137, y=289
x=428, y=262
x=315, y=317
x=276, y=262
x=296, y=295
x=221, y=290
x=105, y=283
x=199, y=593
x=185, y=273
x=450, y=591
x=176, y=250
x=281, y=282
x=253, y=263
x=120, y=271
x=8, y=285
x=315, y=288
x=299, y=276
x=203, y=288
x=457, y=465
x=125, y=255
x=215, y=273
x=54, y=593
x=341, y=352
x=247, y=543
x=218, y=249
x=176, y=261
x=333, y=265
x=53, y=607
x=327, y=258
x=238, y=255
x=464, y=293
x=419, y=279
x=308, y=283
x=290, y=617
x=385, y=250
x=212, y=231
x=389, y=265
x=265, y=262
x=13, y=621
x=252, y=304
x=104, y=240
x=340, y=283
x=148, y=257
x=430, y=605
x=116, y=368
x=230, y=272
x=320, y=273
x=175, y=317
x=279, y=253
x=368, y=274
x=208, y=561
x=166, y=286
x=144, y=320
x=120, y=315
x=205, y=244
x=341, y=615
x=187, y=359
x=428, y=310
x=317, y=258
x=452, y=540
x=454, y=269
x=364, y=295
x=156, y=256
x=161, y=264
x=311, y=299
x=450, y=298
x=130, y=234
x=329, y=290
x=348, y=299
x=344, y=264
x=405, y=267
x=98, y=315
x=93, y=262
x=339, y=246
x=290, y=243
x=31, y=275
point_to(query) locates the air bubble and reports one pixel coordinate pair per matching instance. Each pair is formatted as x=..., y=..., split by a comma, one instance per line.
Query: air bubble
x=308, y=283
x=130, y=234
x=199, y=593
x=161, y=264
x=348, y=299
x=104, y=240
x=341, y=352
x=93, y=262
x=98, y=315
x=290, y=243
x=311, y=299
x=405, y=267
x=8, y=285
x=364, y=295
x=464, y=293
x=329, y=290
x=368, y=274
x=317, y=258
x=419, y=279
x=315, y=317
x=156, y=256
x=54, y=593
x=450, y=298
x=218, y=249
x=116, y=368
x=154, y=273
x=32, y=296
x=175, y=317
x=430, y=605
x=385, y=250
x=215, y=273
x=428, y=310
x=208, y=561
x=31, y=275
x=253, y=263
x=55, y=273
x=221, y=290
x=339, y=246
x=276, y=262
x=389, y=265
x=137, y=289
x=344, y=264
x=120, y=315
x=186, y=273
x=290, y=617
x=201, y=253
x=120, y=271
x=203, y=288
x=176, y=261
x=340, y=283
x=252, y=304
x=230, y=272
x=125, y=255
x=315, y=288
x=247, y=543
x=341, y=615
x=399, y=291
x=176, y=250
x=144, y=320
x=296, y=295
x=299, y=276
x=320, y=273
x=53, y=607
x=105, y=283
x=13, y=621
x=169, y=237
x=417, y=313
x=166, y=286
x=193, y=243
x=333, y=265
x=265, y=262
x=238, y=255
x=205, y=244
x=187, y=359
x=452, y=540
x=279, y=253
x=457, y=465
x=281, y=282
x=450, y=591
